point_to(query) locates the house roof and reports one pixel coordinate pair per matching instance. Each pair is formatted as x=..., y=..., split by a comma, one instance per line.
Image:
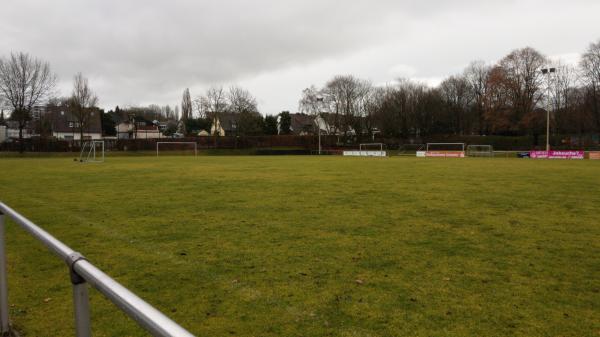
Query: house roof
x=302, y=122
x=228, y=121
x=116, y=117
x=61, y=120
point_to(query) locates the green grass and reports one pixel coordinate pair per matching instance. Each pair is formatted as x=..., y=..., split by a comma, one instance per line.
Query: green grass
x=314, y=246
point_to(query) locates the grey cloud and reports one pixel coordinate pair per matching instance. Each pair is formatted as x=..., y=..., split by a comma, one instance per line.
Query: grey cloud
x=148, y=51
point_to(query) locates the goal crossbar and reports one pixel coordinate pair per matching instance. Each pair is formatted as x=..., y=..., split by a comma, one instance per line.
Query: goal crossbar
x=365, y=145
x=180, y=143
x=462, y=145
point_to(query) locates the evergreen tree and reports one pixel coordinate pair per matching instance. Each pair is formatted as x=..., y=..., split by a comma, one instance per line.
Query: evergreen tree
x=285, y=123
x=270, y=126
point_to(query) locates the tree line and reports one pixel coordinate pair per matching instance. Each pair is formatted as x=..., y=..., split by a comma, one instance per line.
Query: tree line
x=200, y=113
x=509, y=97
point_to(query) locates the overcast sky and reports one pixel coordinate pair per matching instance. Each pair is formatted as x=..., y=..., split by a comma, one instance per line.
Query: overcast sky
x=143, y=52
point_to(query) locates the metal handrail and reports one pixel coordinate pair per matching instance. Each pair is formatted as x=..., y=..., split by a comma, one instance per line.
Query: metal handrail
x=83, y=272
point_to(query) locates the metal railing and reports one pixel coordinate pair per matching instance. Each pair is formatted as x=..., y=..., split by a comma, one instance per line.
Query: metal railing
x=83, y=272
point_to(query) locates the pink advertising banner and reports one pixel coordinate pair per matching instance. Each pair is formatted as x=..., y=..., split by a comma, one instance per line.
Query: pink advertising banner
x=445, y=154
x=557, y=154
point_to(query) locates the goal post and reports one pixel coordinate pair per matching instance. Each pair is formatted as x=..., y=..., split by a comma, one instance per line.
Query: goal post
x=445, y=150
x=368, y=150
x=92, y=152
x=171, y=145
x=480, y=151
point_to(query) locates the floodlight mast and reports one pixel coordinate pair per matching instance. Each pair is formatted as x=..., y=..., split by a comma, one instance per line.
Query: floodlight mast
x=319, y=100
x=547, y=72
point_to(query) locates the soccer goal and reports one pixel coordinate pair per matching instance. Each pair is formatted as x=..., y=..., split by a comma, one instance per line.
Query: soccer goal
x=177, y=148
x=368, y=150
x=480, y=151
x=92, y=152
x=445, y=150
x=410, y=149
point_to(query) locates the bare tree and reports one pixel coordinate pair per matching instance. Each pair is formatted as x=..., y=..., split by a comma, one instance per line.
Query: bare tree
x=198, y=107
x=25, y=81
x=371, y=103
x=562, y=97
x=477, y=74
x=155, y=111
x=523, y=80
x=403, y=112
x=343, y=95
x=590, y=67
x=457, y=93
x=244, y=108
x=213, y=104
x=83, y=103
x=497, y=102
x=241, y=100
x=311, y=102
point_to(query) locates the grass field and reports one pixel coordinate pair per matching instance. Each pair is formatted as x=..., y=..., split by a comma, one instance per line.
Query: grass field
x=314, y=246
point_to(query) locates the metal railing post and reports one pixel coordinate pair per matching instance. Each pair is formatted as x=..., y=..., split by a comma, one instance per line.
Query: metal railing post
x=81, y=306
x=4, y=325
x=81, y=299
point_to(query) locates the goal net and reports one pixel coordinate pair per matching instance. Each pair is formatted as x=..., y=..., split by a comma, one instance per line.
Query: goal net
x=445, y=150
x=92, y=152
x=176, y=148
x=480, y=151
x=411, y=149
x=368, y=150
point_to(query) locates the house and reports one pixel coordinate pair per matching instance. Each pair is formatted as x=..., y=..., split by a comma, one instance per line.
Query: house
x=303, y=124
x=138, y=128
x=147, y=132
x=124, y=130
x=117, y=117
x=224, y=125
x=3, y=133
x=322, y=125
x=64, y=125
x=327, y=124
x=12, y=130
x=162, y=126
x=37, y=112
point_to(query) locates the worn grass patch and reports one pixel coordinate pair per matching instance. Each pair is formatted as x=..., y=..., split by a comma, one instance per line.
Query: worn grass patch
x=314, y=246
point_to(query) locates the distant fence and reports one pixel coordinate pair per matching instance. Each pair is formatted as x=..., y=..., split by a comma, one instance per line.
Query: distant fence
x=81, y=273
x=310, y=143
